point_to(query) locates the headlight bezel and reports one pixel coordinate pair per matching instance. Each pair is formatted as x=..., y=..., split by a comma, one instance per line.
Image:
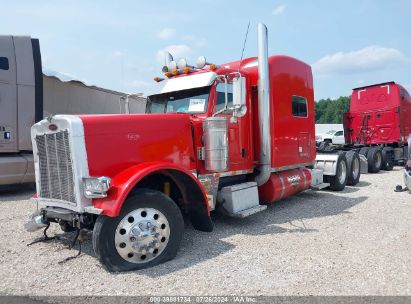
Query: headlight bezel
x=96, y=187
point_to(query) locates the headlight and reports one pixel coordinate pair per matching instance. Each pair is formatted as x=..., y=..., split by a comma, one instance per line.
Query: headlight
x=96, y=187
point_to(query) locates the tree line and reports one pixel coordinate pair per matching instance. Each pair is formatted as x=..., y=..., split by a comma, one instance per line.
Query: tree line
x=331, y=110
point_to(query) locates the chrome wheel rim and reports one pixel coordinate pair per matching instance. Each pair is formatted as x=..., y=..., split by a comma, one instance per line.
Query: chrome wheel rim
x=355, y=168
x=142, y=235
x=378, y=160
x=342, y=174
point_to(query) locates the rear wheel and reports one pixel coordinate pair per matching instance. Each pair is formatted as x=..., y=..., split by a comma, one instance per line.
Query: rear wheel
x=354, y=172
x=322, y=146
x=364, y=151
x=339, y=180
x=146, y=233
x=387, y=159
x=374, y=158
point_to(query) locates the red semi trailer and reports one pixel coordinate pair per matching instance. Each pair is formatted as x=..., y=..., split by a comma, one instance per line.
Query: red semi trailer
x=234, y=137
x=378, y=125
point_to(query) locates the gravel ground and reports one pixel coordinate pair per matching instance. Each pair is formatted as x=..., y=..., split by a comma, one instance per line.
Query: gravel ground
x=356, y=242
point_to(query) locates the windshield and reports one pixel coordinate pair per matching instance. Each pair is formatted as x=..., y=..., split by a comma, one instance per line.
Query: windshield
x=186, y=101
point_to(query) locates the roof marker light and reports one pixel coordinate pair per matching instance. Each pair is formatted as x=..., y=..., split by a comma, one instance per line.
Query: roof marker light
x=158, y=79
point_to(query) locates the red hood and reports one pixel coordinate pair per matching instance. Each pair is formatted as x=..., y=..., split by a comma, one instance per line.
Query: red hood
x=116, y=142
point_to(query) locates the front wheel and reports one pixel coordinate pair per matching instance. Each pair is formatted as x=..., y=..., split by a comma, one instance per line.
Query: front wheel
x=146, y=233
x=374, y=158
x=387, y=159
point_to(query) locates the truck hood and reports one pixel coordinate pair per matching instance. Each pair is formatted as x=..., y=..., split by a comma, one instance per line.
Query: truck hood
x=117, y=142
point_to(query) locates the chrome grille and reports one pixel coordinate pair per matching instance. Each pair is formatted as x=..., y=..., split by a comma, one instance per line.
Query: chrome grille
x=55, y=165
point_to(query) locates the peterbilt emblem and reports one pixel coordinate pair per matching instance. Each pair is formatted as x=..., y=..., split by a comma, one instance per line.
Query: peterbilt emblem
x=294, y=180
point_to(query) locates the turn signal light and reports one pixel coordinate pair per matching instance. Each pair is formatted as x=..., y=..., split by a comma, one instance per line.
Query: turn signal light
x=187, y=70
x=175, y=72
x=213, y=66
x=168, y=74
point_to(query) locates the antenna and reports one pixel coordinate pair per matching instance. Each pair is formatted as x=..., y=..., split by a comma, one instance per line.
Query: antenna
x=245, y=41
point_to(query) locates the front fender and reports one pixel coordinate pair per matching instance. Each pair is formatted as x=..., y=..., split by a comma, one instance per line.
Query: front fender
x=125, y=181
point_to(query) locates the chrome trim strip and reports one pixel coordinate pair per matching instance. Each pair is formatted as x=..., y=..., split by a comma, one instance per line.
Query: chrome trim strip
x=282, y=185
x=305, y=178
x=233, y=173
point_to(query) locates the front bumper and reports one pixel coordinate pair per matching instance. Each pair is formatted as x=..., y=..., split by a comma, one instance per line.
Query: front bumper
x=61, y=204
x=48, y=213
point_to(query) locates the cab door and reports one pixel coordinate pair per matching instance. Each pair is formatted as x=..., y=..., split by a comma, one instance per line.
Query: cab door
x=239, y=131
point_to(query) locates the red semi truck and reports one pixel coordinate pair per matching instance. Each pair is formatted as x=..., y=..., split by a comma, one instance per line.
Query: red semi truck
x=233, y=137
x=378, y=125
x=380, y=120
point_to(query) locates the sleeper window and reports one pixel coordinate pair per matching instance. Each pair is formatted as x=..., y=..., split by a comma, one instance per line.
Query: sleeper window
x=299, y=106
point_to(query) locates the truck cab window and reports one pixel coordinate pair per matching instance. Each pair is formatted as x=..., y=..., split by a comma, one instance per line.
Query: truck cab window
x=4, y=63
x=190, y=101
x=220, y=93
x=299, y=106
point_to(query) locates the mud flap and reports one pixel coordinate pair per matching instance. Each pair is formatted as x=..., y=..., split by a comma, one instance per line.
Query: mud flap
x=363, y=164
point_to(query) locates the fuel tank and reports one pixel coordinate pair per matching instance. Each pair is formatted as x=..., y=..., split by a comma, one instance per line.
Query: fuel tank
x=284, y=184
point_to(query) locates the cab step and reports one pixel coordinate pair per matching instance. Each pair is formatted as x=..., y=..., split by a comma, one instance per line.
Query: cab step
x=248, y=212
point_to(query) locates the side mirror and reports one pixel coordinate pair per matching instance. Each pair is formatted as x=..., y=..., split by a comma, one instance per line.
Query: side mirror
x=239, y=102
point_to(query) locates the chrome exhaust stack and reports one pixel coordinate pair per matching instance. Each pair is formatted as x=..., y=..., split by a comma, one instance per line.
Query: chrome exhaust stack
x=35, y=223
x=264, y=106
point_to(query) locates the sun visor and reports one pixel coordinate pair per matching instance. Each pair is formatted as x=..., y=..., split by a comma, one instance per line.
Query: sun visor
x=187, y=82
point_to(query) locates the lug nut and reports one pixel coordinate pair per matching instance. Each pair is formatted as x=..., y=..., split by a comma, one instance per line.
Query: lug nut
x=135, y=231
x=132, y=239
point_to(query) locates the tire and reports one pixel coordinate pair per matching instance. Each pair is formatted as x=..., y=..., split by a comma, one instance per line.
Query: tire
x=354, y=168
x=328, y=141
x=157, y=232
x=364, y=151
x=339, y=180
x=387, y=159
x=322, y=145
x=374, y=158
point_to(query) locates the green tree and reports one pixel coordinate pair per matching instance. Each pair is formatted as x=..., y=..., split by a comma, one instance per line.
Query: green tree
x=331, y=110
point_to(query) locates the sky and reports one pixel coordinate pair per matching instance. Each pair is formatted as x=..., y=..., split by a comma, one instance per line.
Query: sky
x=118, y=45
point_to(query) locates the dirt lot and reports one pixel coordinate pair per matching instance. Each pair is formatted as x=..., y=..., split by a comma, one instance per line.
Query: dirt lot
x=356, y=242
